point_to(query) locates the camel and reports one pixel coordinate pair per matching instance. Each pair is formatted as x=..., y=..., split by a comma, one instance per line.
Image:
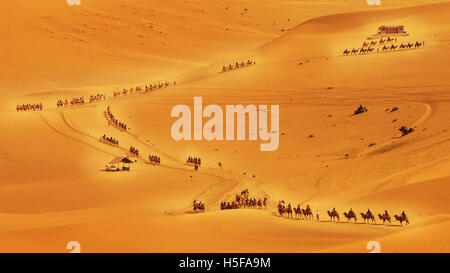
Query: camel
x=289, y=211
x=362, y=50
x=361, y=109
x=370, y=49
x=298, y=212
x=402, y=218
x=350, y=215
x=346, y=52
x=373, y=43
x=393, y=47
x=402, y=46
x=199, y=206
x=283, y=210
x=417, y=45
x=354, y=51
x=365, y=44
x=333, y=214
x=385, y=48
x=260, y=203
x=409, y=45
x=265, y=202
x=385, y=217
x=308, y=213
x=368, y=216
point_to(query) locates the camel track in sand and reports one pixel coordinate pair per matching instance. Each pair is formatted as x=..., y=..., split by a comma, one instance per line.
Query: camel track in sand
x=319, y=182
x=221, y=178
x=428, y=112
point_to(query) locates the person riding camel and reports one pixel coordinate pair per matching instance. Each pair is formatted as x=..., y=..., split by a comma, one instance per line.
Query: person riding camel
x=308, y=208
x=386, y=212
x=403, y=214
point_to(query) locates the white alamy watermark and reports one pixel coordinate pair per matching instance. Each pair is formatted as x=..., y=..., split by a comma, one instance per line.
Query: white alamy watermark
x=374, y=247
x=73, y=246
x=213, y=129
x=73, y=2
x=374, y=2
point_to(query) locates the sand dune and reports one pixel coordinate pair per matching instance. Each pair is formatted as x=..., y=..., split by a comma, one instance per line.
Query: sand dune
x=54, y=190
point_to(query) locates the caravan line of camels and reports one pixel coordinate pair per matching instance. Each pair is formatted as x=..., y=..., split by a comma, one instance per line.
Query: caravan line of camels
x=243, y=200
x=334, y=215
x=383, y=45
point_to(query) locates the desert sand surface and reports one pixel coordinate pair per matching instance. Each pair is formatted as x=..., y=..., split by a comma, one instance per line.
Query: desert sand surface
x=53, y=186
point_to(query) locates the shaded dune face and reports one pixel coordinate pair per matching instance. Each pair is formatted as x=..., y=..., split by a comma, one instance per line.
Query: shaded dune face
x=54, y=190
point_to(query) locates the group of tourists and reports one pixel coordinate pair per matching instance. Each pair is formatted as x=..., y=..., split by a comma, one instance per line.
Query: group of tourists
x=194, y=160
x=29, y=107
x=237, y=65
x=127, y=91
x=199, y=206
x=62, y=103
x=96, y=98
x=74, y=101
x=115, y=122
x=154, y=159
x=243, y=200
x=134, y=151
x=110, y=140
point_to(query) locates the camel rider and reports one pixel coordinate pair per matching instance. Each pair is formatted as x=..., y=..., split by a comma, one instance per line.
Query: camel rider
x=334, y=209
x=308, y=208
x=368, y=211
x=351, y=210
x=403, y=214
x=385, y=212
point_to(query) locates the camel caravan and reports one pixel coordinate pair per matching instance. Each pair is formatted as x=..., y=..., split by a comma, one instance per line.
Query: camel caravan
x=307, y=214
x=96, y=98
x=199, y=206
x=383, y=45
x=300, y=213
x=368, y=216
x=196, y=162
x=134, y=151
x=109, y=140
x=144, y=89
x=114, y=122
x=156, y=160
x=243, y=200
x=29, y=107
x=238, y=65
x=73, y=102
